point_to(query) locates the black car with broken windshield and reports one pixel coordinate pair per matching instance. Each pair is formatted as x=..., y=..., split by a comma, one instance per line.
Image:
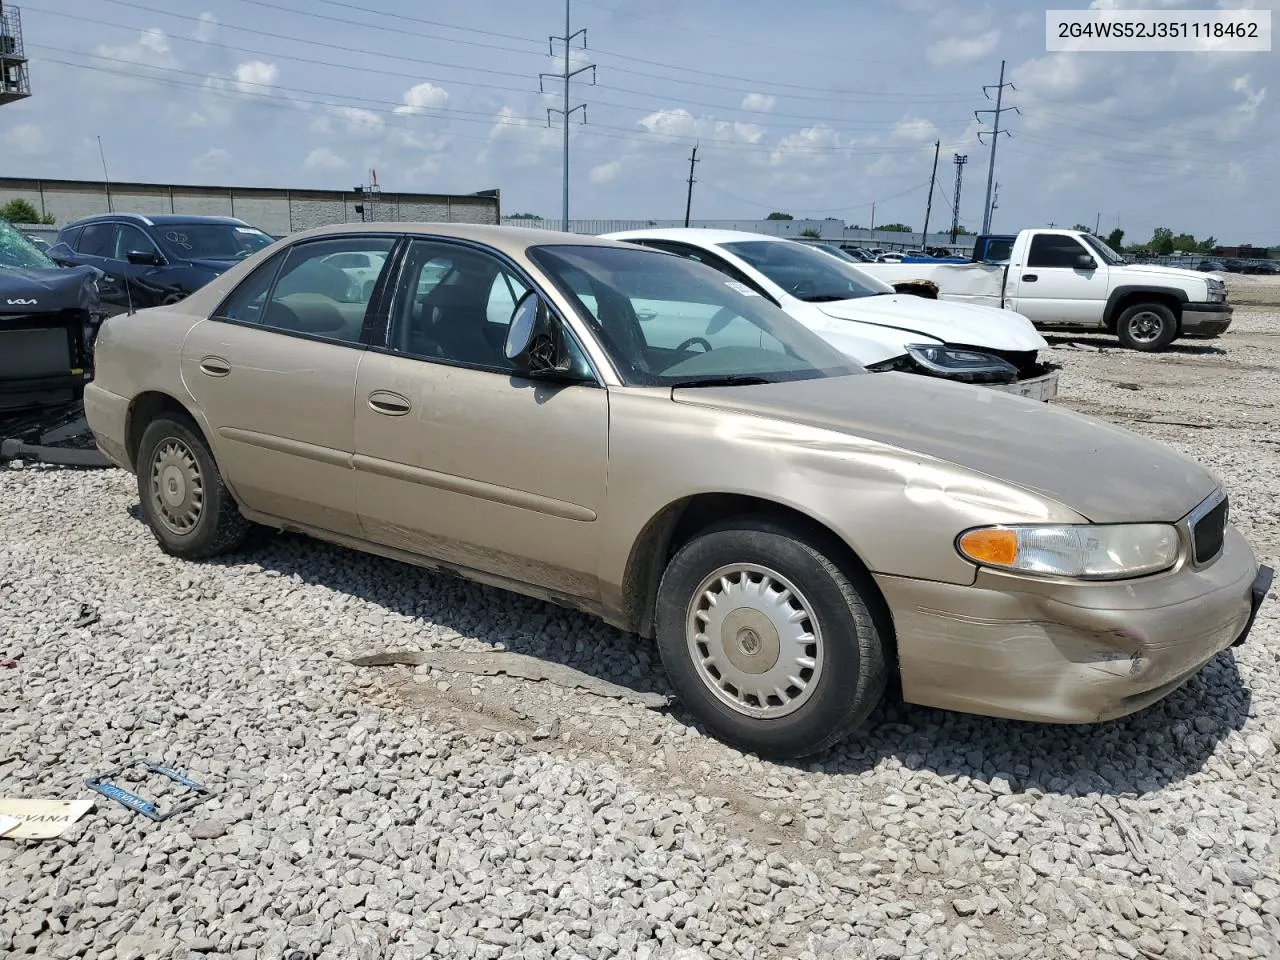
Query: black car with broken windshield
x=154, y=259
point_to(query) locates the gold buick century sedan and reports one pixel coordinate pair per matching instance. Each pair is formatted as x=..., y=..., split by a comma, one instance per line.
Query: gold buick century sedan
x=622, y=431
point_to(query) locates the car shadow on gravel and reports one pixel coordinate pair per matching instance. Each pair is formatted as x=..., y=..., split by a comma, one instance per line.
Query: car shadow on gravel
x=1111, y=344
x=435, y=602
x=1132, y=756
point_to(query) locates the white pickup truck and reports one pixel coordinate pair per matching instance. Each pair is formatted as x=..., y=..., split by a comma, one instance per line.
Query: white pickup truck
x=1070, y=280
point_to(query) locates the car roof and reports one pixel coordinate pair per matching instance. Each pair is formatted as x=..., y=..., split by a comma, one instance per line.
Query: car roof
x=696, y=235
x=155, y=219
x=511, y=240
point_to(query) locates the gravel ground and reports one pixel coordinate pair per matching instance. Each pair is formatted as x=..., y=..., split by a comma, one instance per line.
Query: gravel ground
x=399, y=812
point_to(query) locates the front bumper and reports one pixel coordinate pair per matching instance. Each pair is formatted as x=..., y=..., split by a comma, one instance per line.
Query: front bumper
x=1043, y=387
x=1069, y=652
x=1206, y=319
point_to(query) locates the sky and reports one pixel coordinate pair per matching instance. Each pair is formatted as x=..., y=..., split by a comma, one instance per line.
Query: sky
x=813, y=107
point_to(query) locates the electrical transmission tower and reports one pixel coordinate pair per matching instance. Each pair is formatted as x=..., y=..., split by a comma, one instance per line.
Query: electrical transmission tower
x=959, y=160
x=994, y=133
x=565, y=110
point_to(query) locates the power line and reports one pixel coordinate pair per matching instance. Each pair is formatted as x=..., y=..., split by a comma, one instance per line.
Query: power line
x=436, y=79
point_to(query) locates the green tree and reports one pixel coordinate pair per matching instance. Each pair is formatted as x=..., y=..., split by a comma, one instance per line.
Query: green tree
x=778, y=215
x=19, y=211
x=1115, y=239
x=1082, y=227
x=1185, y=242
x=1162, y=241
x=896, y=228
x=811, y=233
x=524, y=216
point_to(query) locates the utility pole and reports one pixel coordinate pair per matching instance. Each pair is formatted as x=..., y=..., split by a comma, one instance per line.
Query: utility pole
x=995, y=197
x=565, y=110
x=995, y=136
x=959, y=160
x=1097, y=224
x=873, y=216
x=106, y=181
x=688, y=200
x=928, y=207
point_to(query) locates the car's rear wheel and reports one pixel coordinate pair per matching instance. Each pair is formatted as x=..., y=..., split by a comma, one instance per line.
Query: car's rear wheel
x=184, y=500
x=1147, y=327
x=767, y=640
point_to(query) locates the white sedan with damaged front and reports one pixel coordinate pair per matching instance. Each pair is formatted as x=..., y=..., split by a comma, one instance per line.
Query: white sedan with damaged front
x=865, y=317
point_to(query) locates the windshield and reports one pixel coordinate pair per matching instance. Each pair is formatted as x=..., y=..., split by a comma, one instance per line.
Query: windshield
x=806, y=274
x=17, y=251
x=211, y=241
x=1102, y=250
x=670, y=321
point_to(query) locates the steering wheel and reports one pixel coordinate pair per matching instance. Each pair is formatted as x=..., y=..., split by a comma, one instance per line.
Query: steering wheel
x=692, y=340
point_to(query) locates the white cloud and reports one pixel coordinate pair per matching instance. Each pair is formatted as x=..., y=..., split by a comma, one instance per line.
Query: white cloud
x=681, y=123
x=26, y=138
x=252, y=75
x=211, y=161
x=150, y=49
x=915, y=129
x=955, y=51
x=811, y=143
x=422, y=97
x=352, y=122
x=322, y=158
x=207, y=29
x=759, y=101
x=605, y=172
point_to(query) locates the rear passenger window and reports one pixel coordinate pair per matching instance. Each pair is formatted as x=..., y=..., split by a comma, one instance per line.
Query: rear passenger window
x=246, y=301
x=97, y=240
x=314, y=296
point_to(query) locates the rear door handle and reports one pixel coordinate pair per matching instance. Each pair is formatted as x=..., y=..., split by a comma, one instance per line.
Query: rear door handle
x=1029, y=278
x=214, y=367
x=389, y=404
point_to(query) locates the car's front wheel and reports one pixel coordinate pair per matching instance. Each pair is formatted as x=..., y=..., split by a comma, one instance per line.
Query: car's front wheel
x=1147, y=327
x=767, y=640
x=186, y=504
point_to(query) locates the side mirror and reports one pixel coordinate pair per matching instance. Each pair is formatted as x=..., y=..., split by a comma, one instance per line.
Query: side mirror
x=534, y=342
x=144, y=258
x=1086, y=262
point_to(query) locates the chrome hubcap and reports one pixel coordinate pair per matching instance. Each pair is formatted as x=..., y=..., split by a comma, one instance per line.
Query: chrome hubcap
x=754, y=641
x=1145, y=327
x=177, y=487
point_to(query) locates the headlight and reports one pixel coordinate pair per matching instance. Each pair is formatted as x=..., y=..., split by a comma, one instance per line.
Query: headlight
x=957, y=363
x=1217, y=290
x=1084, y=551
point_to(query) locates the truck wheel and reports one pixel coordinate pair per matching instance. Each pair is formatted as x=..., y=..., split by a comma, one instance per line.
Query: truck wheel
x=767, y=641
x=186, y=504
x=1147, y=327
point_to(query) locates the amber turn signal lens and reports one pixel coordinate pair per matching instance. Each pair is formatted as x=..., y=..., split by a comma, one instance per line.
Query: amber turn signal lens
x=995, y=547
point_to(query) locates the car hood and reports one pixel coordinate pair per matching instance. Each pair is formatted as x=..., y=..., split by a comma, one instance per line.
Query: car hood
x=942, y=320
x=1164, y=273
x=27, y=291
x=1102, y=472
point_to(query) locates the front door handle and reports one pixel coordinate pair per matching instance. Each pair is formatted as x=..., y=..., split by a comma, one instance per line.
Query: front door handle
x=389, y=404
x=214, y=367
x=1029, y=278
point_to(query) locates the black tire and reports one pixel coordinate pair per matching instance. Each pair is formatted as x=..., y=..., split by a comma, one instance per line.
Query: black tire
x=217, y=526
x=1147, y=327
x=853, y=674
